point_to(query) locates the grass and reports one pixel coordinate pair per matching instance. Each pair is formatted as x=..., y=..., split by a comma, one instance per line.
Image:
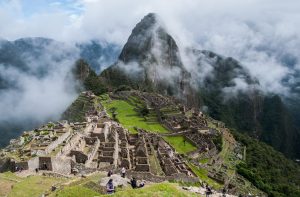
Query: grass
x=130, y=119
x=202, y=174
x=88, y=186
x=154, y=165
x=77, y=191
x=7, y=180
x=156, y=190
x=204, y=161
x=34, y=186
x=178, y=143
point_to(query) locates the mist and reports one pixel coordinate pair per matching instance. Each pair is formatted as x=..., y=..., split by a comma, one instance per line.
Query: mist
x=39, y=94
x=262, y=35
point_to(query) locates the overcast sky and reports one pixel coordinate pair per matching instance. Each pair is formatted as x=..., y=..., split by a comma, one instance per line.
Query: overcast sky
x=262, y=34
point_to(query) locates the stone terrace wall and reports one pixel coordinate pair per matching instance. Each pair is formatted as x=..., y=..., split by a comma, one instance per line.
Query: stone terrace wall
x=153, y=178
x=61, y=165
x=70, y=145
x=93, y=152
x=59, y=140
x=22, y=165
x=33, y=163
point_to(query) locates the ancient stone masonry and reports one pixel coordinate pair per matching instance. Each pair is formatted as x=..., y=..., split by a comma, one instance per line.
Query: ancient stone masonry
x=202, y=138
x=99, y=143
x=141, y=161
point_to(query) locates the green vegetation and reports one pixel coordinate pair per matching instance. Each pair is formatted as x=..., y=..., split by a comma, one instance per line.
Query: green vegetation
x=202, y=174
x=181, y=144
x=128, y=116
x=76, y=111
x=155, y=167
x=218, y=141
x=7, y=180
x=204, y=161
x=83, y=73
x=159, y=189
x=94, y=84
x=268, y=169
x=32, y=186
x=77, y=191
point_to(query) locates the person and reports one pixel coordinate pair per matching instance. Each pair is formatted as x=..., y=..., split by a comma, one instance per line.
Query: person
x=208, y=191
x=224, y=192
x=36, y=170
x=109, y=173
x=123, y=172
x=133, y=183
x=110, y=187
x=45, y=166
x=142, y=184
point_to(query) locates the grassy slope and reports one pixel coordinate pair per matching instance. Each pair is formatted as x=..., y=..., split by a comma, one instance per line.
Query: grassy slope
x=159, y=190
x=78, y=190
x=202, y=174
x=31, y=186
x=178, y=144
x=76, y=111
x=129, y=118
x=7, y=180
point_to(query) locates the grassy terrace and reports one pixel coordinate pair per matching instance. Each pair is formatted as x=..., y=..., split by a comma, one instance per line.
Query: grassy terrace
x=12, y=185
x=130, y=118
x=178, y=143
x=203, y=175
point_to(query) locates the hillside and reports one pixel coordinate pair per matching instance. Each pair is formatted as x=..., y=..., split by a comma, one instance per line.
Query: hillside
x=214, y=156
x=199, y=161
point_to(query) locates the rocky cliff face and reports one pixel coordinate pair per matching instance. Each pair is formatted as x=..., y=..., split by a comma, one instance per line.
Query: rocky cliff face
x=150, y=60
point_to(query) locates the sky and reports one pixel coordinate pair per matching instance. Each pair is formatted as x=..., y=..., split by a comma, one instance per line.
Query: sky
x=264, y=35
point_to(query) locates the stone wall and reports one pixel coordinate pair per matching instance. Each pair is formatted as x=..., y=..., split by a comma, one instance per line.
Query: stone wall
x=93, y=152
x=153, y=178
x=33, y=163
x=58, y=141
x=22, y=165
x=70, y=145
x=61, y=165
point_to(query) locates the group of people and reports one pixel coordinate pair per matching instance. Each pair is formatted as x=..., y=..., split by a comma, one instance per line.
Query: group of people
x=209, y=191
x=110, y=188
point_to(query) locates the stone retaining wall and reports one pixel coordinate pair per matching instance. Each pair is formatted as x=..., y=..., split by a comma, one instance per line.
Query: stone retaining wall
x=153, y=178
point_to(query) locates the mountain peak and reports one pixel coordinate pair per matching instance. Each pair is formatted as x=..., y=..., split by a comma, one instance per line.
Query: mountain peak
x=150, y=43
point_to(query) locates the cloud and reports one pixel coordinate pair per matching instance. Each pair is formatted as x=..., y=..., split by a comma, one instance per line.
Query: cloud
x=41, y=93
x=263, y=35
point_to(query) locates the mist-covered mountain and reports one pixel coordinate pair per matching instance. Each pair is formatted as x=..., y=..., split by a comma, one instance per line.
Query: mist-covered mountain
x=34, y=82
x=148, y=51
x=151, y=61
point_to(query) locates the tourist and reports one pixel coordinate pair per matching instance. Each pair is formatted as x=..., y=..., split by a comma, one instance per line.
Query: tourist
x=110, y=187
x=133, y=183
x=208, y=191
x=224, y=192
x=142, y=184
x=109, y=173
x=45, y=166
x=123, y=172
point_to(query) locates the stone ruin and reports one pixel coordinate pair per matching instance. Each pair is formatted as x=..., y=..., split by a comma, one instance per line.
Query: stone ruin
x=99, y=143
